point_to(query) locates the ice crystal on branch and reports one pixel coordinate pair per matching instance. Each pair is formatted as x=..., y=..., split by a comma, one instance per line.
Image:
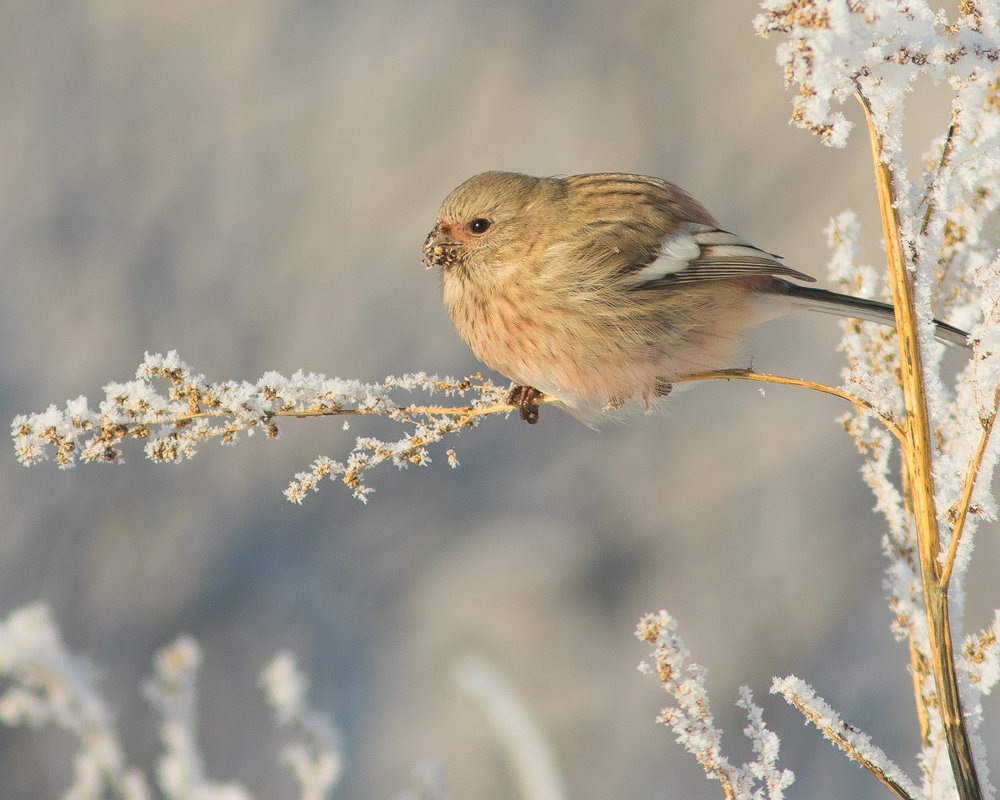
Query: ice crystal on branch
x=694, y=726
x=835, y=48
x=982, y=657
x=174, y=409
x=853, y=742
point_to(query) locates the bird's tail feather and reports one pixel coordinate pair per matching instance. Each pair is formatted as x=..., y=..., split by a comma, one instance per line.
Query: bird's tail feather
x=844, y=305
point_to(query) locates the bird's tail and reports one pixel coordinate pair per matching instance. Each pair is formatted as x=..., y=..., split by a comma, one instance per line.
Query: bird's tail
x=843, y=305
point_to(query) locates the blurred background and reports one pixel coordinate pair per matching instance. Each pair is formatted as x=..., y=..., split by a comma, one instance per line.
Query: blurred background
x=250, y=183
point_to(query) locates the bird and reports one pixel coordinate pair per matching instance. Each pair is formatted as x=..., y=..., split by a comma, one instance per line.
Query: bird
x=601, y=288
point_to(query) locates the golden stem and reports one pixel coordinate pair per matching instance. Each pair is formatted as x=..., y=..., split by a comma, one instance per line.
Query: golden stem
x=918, y=461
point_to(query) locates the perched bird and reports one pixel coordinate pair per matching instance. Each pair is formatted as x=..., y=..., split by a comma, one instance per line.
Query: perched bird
x=596, y=289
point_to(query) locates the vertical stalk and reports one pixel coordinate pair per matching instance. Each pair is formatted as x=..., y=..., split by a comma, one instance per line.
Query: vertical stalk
x=918, y=464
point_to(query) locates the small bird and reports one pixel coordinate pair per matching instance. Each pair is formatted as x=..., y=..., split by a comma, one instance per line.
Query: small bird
x=597, y=289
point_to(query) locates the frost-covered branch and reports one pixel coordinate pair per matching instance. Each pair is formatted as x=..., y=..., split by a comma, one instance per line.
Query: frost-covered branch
x=48, y=685
x=171, y=691
x=314, y=754
x=856, y=744
x=694, y=726
x=174, y=409
x=959, y=511
x=834, y=48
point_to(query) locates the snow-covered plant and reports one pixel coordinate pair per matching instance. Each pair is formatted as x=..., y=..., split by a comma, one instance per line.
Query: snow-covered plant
x=43, y=683
x=46, y=684
x=694, y=726
x=942, y=239
x=174, y=409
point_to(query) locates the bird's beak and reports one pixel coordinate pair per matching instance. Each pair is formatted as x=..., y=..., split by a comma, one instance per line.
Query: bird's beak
x=439, y=248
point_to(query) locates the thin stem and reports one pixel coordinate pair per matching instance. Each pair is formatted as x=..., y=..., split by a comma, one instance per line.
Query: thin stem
x=844, y=743
x=949, y=144
x=961, y=509
x=763, y=377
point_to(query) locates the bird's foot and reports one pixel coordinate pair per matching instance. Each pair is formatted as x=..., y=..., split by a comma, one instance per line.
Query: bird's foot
x=526, y=399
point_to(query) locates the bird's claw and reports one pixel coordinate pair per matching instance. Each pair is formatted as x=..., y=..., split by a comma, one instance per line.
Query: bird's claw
x=526, y=399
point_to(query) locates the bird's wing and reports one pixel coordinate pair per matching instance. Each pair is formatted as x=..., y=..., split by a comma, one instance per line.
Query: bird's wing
x=699, y=252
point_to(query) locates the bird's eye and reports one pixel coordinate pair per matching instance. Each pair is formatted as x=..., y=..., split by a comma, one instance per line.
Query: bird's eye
x=479, y=225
